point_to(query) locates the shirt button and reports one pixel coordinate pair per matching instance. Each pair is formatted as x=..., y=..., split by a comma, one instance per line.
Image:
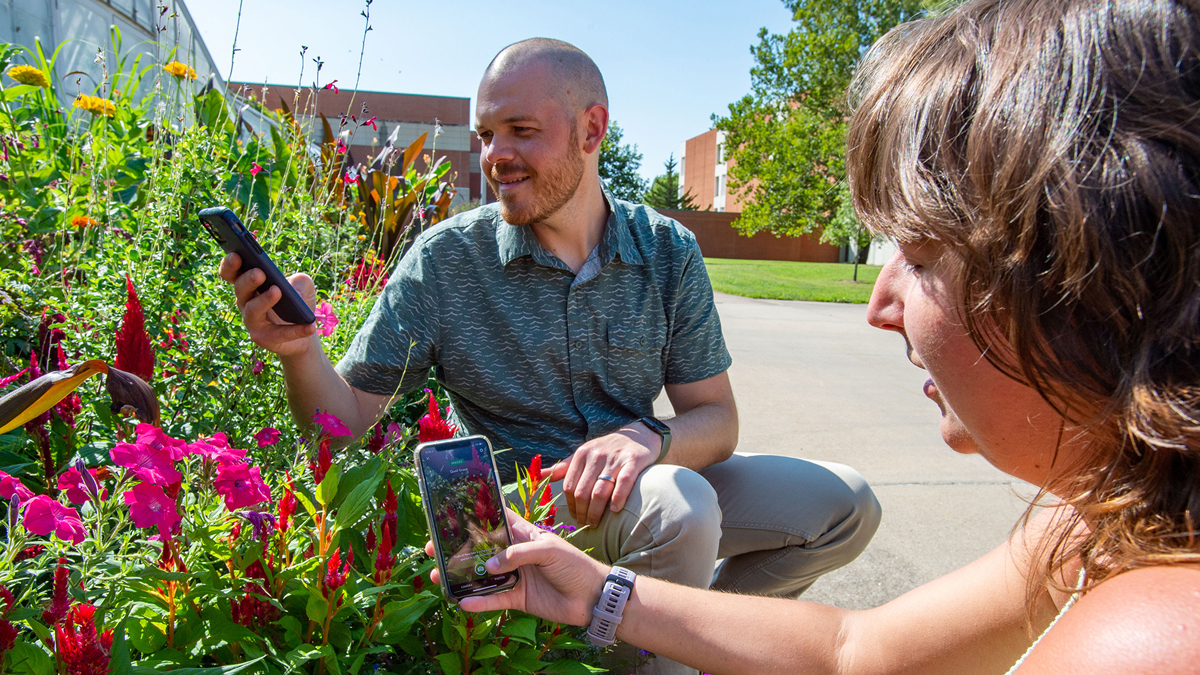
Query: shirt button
x=642, y=342
x=579, y=344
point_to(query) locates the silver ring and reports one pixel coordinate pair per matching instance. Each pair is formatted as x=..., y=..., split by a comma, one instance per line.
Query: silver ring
x=608, y=478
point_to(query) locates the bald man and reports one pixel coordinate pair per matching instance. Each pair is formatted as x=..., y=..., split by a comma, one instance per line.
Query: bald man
x=553, y=319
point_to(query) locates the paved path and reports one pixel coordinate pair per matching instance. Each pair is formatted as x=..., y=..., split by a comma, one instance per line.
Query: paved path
x=814, y=380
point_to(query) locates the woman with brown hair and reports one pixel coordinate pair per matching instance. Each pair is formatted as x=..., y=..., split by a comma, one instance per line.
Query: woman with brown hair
x=1038, y=164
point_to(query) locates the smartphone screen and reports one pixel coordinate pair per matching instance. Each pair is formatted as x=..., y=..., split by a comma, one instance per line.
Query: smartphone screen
x=466, y=513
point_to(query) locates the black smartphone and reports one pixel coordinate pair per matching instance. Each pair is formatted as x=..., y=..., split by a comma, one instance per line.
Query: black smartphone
x=233, y=237
x=467, y=523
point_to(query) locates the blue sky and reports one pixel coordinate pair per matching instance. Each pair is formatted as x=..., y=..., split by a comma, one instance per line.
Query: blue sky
x=668, y=65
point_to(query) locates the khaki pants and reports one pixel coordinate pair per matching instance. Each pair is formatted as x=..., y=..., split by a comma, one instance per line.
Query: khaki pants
x=777, y=522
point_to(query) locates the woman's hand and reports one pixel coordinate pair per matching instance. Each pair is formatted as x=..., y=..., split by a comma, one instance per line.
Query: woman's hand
x=558, y=581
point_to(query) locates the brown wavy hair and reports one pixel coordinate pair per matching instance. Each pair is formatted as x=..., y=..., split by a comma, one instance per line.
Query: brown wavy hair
x=1053, y=148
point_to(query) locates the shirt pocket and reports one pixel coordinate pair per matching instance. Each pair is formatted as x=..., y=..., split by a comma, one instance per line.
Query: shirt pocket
x=634, y=371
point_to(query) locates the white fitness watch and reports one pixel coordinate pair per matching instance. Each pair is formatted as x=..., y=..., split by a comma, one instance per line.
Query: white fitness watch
x=607, y=614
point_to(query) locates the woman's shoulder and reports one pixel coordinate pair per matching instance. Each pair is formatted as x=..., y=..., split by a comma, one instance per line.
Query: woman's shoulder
x=1145, y=620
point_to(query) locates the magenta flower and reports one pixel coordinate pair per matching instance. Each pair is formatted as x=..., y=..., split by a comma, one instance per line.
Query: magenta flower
x=154, y=437
x=44, y=515
x=255, y=170
x=216, y=448
x=5, y=381
x=331, y=424
x=149, y=506
x=71, y=480
x=148, y=463
x=326, y=319
x=333, y=86
x=11, y=485
x=241, y=485
x=267, y=436
x=394, y=433
x=371, y=123
x=258, y=367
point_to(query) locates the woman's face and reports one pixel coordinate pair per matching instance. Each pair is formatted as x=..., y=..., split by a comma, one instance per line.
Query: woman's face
x=983, y=410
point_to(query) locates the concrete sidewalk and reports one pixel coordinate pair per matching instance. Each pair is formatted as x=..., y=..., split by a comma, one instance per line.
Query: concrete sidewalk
x=814, y=380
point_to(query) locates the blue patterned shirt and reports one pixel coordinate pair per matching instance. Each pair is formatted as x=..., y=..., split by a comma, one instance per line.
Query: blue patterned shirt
x=530, y=360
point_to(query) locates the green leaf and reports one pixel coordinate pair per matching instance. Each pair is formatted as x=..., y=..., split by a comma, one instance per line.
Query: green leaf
x=27, y=658
x=317, y=606
x=118, y=659
x=331, y=660
x=524, y=628
x=564, y=667
x=488, y=651
x=357, y=501
x=451, y=663
x=301, y=655
x=19, y=90
x=329, y=485
x=217, y=670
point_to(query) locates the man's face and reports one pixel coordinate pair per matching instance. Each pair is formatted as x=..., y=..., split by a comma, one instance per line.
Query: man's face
x=531, y=154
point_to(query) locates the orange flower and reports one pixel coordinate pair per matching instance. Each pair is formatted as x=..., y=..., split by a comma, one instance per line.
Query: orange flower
x=95, y=105
x=181, y=71
x=83, y=222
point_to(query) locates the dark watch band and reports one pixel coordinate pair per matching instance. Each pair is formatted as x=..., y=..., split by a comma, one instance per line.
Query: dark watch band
x=656, y=425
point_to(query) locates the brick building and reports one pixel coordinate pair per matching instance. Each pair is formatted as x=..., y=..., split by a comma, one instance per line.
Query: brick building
x=411, y=114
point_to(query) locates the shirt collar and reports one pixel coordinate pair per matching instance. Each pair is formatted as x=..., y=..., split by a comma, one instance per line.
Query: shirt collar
x=514, y=241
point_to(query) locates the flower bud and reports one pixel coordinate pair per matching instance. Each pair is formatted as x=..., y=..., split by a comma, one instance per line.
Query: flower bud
x=89, y=481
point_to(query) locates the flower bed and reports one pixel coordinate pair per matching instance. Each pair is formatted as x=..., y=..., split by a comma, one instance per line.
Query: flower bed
x=173, y=517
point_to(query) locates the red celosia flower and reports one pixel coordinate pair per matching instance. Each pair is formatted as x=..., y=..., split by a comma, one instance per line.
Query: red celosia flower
x=5, y=381
x=30, y=552
x=8, y=636
x=149, y=506
x=287, y=504
x=418, y=582
x=375, y=442
x=78, y=643
x=432, y=427
x=135, y=353
x=60, y=601
x=535, y=470
x=337, y=571
x=7, y=597
x=485, y=505
x=11, y=485
x=44, y=515
x=369, y=273
x=324, y=461
x=241, y=485
x=331, y=425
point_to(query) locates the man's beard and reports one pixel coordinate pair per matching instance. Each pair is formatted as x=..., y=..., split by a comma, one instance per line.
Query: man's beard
x=552, y=188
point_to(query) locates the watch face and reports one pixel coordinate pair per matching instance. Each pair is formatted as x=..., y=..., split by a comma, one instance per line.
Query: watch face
x=655, y=425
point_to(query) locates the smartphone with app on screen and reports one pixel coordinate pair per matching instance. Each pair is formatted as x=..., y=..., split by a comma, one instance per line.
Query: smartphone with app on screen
x=460, y=488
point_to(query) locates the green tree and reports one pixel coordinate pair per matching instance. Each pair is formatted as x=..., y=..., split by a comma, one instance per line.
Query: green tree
x=664, y=191
x=786, y=139
x=619, y=165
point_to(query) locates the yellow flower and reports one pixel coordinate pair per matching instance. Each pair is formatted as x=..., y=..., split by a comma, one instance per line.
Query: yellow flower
x=29, y=75
x=82, y=222
x=181, y=71
x=95, y=105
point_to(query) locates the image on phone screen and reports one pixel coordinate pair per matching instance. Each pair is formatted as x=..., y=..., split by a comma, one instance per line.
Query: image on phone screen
x=466, y=510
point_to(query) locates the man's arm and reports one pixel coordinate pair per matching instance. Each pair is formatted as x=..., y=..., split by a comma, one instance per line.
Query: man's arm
x=311, y=381
x=703, y=432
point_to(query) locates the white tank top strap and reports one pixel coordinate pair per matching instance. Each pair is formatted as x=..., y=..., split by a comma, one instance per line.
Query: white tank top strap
x=1066, y=605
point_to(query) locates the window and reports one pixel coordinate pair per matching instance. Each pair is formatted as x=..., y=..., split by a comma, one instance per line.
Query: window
x=720, y=153
x=719, y=186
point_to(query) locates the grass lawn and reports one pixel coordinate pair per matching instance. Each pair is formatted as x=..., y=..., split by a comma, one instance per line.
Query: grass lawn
x=786, y=280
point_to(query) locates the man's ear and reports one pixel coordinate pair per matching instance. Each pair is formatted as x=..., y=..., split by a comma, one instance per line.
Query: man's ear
x=595, y=121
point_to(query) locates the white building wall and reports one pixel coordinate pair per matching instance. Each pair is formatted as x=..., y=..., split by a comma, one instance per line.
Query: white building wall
x=720, y=189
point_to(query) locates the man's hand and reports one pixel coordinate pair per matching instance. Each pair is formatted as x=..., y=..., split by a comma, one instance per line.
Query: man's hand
x=265, y=327
x=558, y=581
x=622, y=455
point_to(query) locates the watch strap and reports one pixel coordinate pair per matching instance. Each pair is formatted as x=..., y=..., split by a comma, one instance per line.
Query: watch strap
x=608, y=612
x=657, y=426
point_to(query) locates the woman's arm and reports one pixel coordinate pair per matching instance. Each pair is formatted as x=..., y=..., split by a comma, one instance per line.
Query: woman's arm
x=970, y=621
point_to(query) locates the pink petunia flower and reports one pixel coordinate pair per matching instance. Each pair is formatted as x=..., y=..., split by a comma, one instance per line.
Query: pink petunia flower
x=71, y=480
x=326, y=319
x=44, y=515
x=149, y=506
x=216, y=448
x=267, y=436
x=148, y=463
x=331, y=425
x=241, y=485
x=151, y=435
x=10, y=485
